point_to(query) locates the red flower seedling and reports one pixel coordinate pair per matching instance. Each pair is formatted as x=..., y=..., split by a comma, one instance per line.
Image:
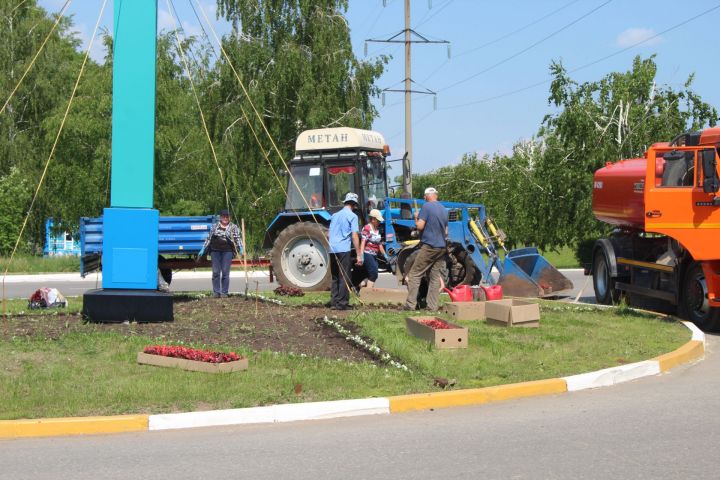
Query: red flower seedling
x=191, y=354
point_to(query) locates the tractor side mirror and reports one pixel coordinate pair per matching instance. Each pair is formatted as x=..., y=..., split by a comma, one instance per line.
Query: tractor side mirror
x=711, y=182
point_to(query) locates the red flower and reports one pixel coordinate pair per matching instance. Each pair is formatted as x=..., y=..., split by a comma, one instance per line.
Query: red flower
x=191, y=354
x=435, y=324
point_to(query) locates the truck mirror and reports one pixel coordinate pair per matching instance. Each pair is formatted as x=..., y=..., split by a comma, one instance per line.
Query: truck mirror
x=711, y=182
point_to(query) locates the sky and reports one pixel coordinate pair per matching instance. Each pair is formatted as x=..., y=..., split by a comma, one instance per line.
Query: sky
x=493, y=89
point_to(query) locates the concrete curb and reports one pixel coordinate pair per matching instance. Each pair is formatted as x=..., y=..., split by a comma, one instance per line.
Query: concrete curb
x=690, y=351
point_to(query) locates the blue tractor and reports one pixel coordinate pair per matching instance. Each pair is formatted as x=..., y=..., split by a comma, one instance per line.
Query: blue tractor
x=328, y=164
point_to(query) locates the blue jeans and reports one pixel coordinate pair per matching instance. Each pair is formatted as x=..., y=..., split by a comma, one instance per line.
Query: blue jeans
x=221, y=265
x=371, y=266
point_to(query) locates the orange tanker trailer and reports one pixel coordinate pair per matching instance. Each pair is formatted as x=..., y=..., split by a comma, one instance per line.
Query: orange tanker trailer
x=666, y=213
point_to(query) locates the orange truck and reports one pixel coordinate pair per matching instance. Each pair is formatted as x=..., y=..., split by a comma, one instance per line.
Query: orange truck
x=666, y=212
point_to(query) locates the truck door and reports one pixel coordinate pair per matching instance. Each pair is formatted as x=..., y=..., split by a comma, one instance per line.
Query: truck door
x=675, y=204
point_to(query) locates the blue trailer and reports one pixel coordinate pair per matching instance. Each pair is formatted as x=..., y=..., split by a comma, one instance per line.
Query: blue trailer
x=180, y=240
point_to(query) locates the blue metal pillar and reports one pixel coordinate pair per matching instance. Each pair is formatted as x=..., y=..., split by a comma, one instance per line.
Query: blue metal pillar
x=130, y=225
x=130, y=236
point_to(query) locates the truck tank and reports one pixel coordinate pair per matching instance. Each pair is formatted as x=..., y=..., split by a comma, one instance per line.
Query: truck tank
x=618, y=193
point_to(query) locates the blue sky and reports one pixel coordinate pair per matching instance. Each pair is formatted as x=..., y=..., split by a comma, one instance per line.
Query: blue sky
x=498, y=48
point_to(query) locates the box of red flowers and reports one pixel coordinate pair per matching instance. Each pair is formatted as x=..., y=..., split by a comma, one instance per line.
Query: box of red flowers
x=192, y=359
x=437, y=331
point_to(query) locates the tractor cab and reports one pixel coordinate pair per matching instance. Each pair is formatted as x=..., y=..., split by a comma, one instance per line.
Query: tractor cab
x=328, y=163
x=331, y=162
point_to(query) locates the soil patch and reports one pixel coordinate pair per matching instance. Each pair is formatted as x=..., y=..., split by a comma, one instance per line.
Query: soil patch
x=228, y=321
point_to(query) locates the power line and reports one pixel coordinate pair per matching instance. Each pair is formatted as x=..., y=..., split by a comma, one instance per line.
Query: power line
x=502, y=37
x=533, y=45
x=586, y=65
x=427, y=18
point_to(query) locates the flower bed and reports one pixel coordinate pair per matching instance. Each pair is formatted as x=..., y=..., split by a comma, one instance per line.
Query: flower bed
x=287, y=291
x=191, y=354
x=191, y=359
x=435, y=324
x=438, y=332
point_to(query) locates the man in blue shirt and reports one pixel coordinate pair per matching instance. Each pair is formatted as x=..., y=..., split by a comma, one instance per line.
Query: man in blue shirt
x=432, y=223
x=343, y=234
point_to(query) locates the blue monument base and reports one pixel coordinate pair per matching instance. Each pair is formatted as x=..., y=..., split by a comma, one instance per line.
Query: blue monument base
x=130, y=248
x=118, y=306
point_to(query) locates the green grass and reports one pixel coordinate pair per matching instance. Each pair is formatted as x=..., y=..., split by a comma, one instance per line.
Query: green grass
x=95, y=373
x=35, y=264
x=564, y=258
x=19, y=306
x=570, y=340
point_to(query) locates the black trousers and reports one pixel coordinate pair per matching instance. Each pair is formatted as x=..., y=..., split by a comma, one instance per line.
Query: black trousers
x=340, y=269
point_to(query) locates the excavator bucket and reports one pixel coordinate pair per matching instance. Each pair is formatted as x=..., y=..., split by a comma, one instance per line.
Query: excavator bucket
x=526, y=273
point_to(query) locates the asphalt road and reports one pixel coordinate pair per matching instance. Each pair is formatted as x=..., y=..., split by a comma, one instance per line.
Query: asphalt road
x=72, y=285
x=662, y=427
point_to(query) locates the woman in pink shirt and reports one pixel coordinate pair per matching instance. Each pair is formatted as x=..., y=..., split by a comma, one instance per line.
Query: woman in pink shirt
x=371, y=245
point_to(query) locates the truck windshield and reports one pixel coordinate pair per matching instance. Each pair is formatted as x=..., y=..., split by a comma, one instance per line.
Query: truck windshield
x=341, y=181
x=310, y=182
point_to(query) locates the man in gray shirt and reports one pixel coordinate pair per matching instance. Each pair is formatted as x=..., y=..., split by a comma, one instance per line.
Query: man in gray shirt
x=432, y=223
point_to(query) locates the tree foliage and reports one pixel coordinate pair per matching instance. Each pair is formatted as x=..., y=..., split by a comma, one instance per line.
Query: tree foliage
x=541, y=193
x=295, y=59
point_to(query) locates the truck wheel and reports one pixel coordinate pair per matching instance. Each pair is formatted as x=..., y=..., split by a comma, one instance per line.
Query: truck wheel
x=603, y=283
x=300, y=257
x=694, y=302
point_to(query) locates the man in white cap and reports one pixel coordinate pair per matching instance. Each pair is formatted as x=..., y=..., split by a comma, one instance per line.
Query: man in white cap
x=343, y=235
x=432, y=223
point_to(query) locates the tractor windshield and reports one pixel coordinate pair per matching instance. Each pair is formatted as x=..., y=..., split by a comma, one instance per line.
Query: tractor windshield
x=341, y=181
x=309, y=188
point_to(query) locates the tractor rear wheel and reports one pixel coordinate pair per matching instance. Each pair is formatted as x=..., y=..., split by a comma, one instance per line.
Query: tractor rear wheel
x=300, y=257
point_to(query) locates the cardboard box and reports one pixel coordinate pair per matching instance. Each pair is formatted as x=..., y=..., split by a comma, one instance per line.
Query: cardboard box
x=465, y=310
x=193, y=365
x=383, y=295
x=453, y=337
x=512, y=313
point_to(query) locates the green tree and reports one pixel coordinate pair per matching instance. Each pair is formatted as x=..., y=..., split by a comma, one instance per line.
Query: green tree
x=296, y=61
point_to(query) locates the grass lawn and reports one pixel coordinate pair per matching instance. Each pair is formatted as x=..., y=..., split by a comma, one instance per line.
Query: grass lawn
x=36, y=264
x=563, y=258
x=93, y=372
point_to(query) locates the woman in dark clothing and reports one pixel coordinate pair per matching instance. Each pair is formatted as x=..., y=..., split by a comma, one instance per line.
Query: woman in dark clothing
x=223, y=243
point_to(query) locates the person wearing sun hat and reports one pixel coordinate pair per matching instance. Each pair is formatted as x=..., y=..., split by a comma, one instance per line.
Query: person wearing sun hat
x=223, y=243
x=343, y=235
x=432, y=223
x=371, y=245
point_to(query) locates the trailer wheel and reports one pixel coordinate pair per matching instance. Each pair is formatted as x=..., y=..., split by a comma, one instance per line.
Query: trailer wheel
x=300, y=257
x=603, y=283
x=694, y=302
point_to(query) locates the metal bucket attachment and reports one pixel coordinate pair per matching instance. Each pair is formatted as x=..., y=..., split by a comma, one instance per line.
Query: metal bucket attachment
x=526, y=273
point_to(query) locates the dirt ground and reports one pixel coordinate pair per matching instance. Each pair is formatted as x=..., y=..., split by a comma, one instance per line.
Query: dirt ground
x=228, y=321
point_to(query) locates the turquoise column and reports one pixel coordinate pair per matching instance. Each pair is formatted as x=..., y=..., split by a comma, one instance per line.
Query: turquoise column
x=133, y=114
x=130, y=225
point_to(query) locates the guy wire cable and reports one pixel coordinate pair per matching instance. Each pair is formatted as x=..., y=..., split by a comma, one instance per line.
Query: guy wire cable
x=42, y=46
x=52, y=152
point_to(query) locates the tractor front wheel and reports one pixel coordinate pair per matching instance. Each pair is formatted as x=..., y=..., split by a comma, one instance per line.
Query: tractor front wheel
x=300, y=257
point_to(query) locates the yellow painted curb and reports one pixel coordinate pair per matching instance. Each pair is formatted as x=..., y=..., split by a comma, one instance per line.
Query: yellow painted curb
x=475, y=396
x=692, y=350
x=48, y=427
